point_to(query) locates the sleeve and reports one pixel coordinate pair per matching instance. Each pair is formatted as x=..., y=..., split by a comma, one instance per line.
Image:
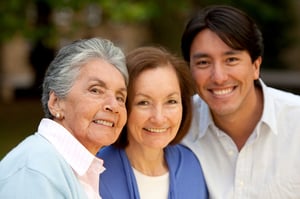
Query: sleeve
x=30, y=184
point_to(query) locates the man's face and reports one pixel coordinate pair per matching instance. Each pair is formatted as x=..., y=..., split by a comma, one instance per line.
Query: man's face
x=224, y=76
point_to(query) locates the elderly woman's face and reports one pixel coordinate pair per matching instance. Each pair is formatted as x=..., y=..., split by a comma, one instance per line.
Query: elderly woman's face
x=94, y=110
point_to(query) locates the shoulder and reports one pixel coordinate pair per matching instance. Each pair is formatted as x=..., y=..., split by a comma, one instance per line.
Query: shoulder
x=32, y=164
x=186, y=173
x=34, y=150
x=286, y=105
x=279, y=96
x=117, y=175
x=113, y=162
x=34, y=153
x=107, y=151
x=182, y=156
x=110, y=155
x=179, y=149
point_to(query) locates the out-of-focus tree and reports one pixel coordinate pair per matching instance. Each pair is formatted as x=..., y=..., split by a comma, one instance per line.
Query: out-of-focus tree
x=165, y=18
x=12, y=18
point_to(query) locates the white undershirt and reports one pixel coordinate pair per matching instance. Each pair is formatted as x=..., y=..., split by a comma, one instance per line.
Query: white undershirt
x=152, y=186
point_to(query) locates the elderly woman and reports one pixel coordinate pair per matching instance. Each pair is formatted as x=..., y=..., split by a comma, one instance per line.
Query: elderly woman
x=147, y=160
x=84, y=111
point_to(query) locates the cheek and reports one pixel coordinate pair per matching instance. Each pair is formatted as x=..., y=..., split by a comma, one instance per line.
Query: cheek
x=134, y=117
x=176, y=116
x=199, y=76
x=77, y=108
x=247, y=75
x=123, y=117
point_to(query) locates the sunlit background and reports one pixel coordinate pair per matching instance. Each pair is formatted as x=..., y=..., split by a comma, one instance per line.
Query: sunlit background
x=33, y=30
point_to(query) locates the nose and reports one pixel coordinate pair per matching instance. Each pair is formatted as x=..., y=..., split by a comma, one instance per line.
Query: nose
x=111, y=104
x=158, y=115
x=219, y=74
x=108, y=108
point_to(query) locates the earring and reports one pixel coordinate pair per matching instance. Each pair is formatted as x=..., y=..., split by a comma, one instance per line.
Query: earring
x=57, y=115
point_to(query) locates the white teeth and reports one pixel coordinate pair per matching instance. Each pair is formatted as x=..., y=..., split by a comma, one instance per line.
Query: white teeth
x=106, y=123
x=156, y=130
x=222, y=92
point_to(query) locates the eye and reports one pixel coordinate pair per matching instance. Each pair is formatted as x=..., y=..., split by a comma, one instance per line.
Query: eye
x=143, y=103
x=96, y=90
x=232, y=61
x=172, y=101
x=121, y=99
x=201, y=63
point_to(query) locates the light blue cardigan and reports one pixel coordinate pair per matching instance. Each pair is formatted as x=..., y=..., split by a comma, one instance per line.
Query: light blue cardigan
x=186, y=177
x=35, y=170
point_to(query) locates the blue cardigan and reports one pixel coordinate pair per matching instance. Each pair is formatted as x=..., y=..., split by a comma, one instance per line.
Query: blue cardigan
x=186, y=177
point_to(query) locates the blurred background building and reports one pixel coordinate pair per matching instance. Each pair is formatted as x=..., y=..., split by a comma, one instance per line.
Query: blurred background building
x=33, y=30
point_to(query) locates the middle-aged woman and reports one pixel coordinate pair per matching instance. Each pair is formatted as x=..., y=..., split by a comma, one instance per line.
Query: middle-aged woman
x=84, y=111
x=146, y=161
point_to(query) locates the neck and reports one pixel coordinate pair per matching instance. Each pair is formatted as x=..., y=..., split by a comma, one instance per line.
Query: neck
x=150, y=162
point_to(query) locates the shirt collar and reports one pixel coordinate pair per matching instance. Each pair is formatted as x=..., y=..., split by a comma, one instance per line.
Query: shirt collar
x=268, y=116
x=75, y=154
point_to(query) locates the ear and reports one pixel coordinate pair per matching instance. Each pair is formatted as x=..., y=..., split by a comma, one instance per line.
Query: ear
x=54, y=104
x=256, y=67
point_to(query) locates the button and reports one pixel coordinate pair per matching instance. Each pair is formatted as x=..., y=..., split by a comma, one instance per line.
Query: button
x=230, y=152
x=241, y=183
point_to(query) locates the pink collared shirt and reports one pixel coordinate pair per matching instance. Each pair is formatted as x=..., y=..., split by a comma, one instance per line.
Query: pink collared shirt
x=87, y=167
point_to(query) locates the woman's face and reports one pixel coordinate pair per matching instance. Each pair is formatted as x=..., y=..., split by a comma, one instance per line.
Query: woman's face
x=94, y=110
x=155, y=108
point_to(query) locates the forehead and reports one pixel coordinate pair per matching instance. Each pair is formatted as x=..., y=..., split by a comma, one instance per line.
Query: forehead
x=157, y=79
x=208, y=44
x=99, y=69
x=208, y=39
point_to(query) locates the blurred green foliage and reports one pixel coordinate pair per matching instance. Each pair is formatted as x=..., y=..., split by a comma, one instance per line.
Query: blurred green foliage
x=166, y=19
x=12, y=18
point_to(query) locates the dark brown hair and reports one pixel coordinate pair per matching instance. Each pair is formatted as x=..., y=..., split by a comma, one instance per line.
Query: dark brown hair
x=233, y=26
x=147, y=58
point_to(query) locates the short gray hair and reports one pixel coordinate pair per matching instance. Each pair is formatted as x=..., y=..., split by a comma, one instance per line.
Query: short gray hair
x=64, y=69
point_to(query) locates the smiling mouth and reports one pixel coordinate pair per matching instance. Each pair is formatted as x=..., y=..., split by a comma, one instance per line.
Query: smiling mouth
x=156, y=130
x=104, y=122
x=221, y=92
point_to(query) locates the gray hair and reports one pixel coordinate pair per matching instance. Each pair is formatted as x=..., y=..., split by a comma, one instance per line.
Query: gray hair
x=64, y=69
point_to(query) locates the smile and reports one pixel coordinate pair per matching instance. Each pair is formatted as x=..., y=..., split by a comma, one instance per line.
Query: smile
x=221, y=92
x=105, y=123
x=156, y=130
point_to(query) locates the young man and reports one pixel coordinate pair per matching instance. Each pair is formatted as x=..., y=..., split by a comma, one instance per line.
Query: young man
x=246, y=135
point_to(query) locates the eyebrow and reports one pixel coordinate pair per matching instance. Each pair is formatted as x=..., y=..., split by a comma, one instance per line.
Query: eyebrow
x=233, y=52
x=104, y=85
x=202, y=55
x=199, y=55
x=149, y=96
x=98, y=81
x=123, y=90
